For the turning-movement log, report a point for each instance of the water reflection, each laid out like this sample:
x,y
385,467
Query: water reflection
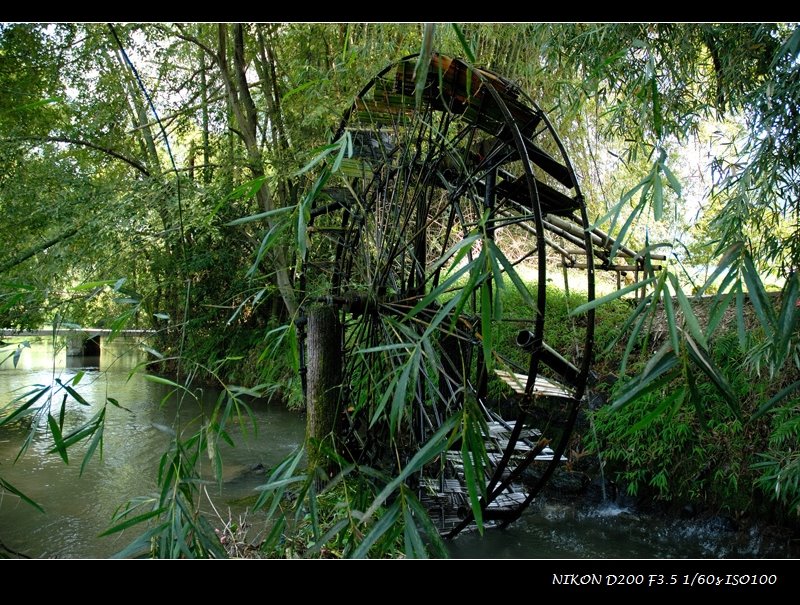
x,y
77,507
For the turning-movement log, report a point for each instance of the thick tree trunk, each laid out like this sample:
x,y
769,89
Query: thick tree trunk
x,y
324,378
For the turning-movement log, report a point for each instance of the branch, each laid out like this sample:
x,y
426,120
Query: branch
x,y
115,154
188,38
33,251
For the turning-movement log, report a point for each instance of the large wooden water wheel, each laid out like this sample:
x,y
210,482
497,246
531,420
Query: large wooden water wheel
x,y
455,198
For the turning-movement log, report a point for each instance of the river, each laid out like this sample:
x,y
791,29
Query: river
x,y
78,508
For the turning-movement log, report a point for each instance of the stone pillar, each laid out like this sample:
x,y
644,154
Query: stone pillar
x,y
75,344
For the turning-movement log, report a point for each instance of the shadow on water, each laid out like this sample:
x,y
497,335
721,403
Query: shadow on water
x,y
77,507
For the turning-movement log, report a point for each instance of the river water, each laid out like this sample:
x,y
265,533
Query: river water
x,y
78,508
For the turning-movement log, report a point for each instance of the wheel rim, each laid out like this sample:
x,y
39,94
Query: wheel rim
x,y
438,211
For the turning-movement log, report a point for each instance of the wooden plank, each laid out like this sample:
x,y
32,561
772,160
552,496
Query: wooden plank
x,y
548,163
508,501
551,200
543,387
611,267
498,430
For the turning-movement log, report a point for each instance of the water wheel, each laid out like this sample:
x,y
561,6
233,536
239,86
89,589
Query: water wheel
x,y
432,240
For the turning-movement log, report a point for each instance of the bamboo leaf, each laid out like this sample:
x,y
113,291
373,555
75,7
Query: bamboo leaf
x,y
75,395
512,273
97,441
593,304
25,408
414,547
758,296
5,485
458,251
327,537
658,197
658,119
438,291
381,527
660,373
403,346
790,47
400,395
443,314
617,208
740,326
423,62
787,318
620,238
304,212
471,479
89,285
776,399
435,542
671,323
486,325
634,337
245,190
266,244
462,40
707,366
325,151
166,381
297,89
688,314
387,394
674,183
435,446
675,397
133,521
696,398
260,216
628,322
718,312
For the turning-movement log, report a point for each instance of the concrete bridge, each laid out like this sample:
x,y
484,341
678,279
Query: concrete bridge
x,y
80,341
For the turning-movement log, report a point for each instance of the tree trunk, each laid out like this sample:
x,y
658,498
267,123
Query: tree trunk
x,y
204,113
323,379
247,119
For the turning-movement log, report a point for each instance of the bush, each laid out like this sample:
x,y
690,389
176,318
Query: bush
x,y
704,454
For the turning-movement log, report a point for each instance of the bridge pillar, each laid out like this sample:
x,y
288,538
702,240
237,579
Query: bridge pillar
x,y
74,345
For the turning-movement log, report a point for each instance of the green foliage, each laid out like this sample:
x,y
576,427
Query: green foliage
x,y
655,446
779,466
360,512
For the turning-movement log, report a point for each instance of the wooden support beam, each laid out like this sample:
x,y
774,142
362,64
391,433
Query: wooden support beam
x,y
626,268
599,238
324,378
